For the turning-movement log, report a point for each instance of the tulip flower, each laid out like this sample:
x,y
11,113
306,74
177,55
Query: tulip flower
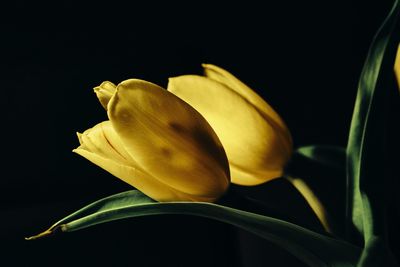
x,y
256,140
157,143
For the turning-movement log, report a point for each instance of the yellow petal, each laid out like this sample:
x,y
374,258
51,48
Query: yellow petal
x,y
102,140
169,139
253,177
220,75
256,151
102,146
104,92
397,67
139,179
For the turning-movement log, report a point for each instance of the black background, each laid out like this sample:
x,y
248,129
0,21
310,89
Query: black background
x,y
303,57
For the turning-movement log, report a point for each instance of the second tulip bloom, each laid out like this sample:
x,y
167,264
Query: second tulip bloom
x,y
257,142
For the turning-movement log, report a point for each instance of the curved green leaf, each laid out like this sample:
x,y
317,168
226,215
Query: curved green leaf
x,y
366,143
330,156
367,150
310,247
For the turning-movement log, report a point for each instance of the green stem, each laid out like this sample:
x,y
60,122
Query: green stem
x,y
312,200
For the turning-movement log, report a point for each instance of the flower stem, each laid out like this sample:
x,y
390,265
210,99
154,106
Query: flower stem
x,y
312,200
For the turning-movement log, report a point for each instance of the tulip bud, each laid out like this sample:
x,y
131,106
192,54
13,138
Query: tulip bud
x,y
256,140
157,143
104,92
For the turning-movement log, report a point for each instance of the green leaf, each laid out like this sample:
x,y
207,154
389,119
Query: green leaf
x,y
325,155
366,139
367,163
310,247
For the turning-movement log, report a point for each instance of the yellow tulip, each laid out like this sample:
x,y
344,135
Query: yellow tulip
x,y
256,140
397,67
157,143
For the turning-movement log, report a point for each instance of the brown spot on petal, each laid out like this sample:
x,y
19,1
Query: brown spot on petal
x,y
211,146
166,152
176,127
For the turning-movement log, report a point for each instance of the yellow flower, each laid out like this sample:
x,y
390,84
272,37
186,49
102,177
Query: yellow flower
x,y
157,143
256,140
397,67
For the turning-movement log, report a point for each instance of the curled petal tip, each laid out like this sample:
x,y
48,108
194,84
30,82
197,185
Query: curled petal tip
x,y
104,92
79,135
106,85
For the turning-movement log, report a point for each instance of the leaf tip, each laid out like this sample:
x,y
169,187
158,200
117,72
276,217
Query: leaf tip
x,y
46,233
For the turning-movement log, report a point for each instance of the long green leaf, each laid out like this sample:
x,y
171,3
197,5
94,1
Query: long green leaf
x,y
366,138
367,179
310,247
